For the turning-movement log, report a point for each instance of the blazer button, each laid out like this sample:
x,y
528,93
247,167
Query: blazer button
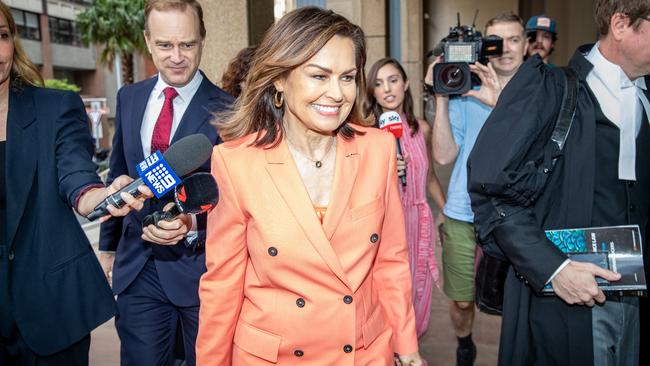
x,y
298,353
347,348
347,299
374,238
11,255
300,302
632,209
273,252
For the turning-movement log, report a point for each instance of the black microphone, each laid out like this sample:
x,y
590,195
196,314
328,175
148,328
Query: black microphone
x,y
197,193
183,157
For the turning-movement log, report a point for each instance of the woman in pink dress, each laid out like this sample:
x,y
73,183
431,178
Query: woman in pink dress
x,y
388,90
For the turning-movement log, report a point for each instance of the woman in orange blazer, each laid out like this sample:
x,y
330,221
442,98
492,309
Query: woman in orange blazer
x,y
306,252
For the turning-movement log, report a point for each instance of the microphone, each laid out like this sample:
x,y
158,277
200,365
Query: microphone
x,y
392,122
197,193
182,158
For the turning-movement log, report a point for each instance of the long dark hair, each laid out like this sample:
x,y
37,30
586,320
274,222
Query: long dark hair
x,y
290,42
373,107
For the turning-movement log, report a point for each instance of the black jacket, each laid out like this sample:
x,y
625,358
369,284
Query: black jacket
x,y
516,194
58,292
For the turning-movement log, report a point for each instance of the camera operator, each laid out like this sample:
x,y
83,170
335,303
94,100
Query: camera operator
x,y
455,129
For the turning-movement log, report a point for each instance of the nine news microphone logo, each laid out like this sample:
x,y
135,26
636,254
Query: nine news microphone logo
x,y
157,175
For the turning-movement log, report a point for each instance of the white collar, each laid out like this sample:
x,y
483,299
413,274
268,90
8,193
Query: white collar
x,y
185,92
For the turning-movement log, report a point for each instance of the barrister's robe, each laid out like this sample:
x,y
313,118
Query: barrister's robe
x,y
516,193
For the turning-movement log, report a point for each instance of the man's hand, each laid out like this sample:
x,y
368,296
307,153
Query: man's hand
x,y
401,166
412,359
576,283
93,197
168,232
490,88
106,260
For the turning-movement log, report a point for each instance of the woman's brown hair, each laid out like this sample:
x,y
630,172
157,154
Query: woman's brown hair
x,y
235,74
373,107
293,40
23,70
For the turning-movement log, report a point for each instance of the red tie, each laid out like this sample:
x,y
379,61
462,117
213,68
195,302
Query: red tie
x,y
163,128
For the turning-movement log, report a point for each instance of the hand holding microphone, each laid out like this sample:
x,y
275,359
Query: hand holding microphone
x,y
196,194
392,122
159,172
90,198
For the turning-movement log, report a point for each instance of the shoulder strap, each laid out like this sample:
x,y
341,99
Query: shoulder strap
x,y
567,109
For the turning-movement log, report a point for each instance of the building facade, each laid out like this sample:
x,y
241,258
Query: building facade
x,y
403,29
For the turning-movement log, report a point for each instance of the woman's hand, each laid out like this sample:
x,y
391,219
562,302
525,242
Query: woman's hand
x,y
401,166
412,359
93,197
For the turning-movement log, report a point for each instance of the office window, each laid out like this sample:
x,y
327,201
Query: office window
x,y
28,24
63,31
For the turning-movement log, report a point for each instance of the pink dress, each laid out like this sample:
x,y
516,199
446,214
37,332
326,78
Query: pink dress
x,y
420,228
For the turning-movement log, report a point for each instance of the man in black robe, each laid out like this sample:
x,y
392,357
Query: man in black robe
x,y
602,178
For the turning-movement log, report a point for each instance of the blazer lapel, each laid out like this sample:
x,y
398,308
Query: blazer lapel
x,y
22,156
347,163
289,183
196,114
140,101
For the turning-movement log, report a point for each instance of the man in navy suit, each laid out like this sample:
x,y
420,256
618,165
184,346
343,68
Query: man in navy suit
x,y
156,270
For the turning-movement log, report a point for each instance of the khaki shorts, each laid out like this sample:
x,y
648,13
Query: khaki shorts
x,y
458,253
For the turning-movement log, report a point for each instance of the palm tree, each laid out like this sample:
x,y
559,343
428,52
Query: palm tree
x,y
117,26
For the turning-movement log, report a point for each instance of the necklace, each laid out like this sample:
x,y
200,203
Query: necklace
x,y
318,162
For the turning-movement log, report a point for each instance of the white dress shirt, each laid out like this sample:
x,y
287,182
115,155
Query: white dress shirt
x,y
155,104
622,101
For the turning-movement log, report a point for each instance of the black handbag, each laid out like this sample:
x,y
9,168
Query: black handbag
x,y
492,271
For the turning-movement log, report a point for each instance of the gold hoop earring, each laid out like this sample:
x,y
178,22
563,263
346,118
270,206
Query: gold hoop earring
x,y
278,99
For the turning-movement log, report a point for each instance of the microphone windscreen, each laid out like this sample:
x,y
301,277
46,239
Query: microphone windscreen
x,y
188,154
391,122
197,193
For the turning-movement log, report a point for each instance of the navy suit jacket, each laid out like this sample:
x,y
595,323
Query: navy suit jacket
x,y
179,266
58,290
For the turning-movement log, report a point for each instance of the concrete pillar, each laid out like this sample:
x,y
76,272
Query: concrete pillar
x,y
374,24
47,70
226,22
575,24
412,49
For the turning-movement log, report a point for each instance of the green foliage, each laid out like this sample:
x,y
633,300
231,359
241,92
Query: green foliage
x,y
117,25
61,84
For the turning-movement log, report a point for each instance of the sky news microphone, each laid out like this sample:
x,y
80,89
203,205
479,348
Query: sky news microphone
x,y
392,122
161,171
197,194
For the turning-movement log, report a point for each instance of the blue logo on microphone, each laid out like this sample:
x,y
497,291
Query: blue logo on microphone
x,y
157,174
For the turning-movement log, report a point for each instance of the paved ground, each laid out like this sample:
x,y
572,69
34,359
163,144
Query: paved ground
x,y
438,345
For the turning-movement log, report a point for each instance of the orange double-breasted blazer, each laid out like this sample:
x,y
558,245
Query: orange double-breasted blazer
x,y
282,288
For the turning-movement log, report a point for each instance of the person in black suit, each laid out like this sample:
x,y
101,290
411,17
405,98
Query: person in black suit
x,y
521,184
52,289
156,270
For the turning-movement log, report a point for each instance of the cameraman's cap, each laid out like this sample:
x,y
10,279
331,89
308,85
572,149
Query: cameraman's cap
x,y
541,22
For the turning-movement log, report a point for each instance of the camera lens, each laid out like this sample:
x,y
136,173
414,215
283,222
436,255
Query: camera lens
x,y
452,76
